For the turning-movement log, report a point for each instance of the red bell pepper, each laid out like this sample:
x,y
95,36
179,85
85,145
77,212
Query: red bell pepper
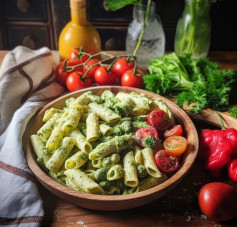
x,y
217,148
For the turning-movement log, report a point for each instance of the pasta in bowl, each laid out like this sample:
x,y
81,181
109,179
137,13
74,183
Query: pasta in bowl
x,y
82,147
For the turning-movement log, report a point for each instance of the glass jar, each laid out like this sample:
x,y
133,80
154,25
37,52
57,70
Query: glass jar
x,y
194,29
153,41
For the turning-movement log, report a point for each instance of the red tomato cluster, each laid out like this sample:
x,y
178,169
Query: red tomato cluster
x,y
70,72
164,138
80,70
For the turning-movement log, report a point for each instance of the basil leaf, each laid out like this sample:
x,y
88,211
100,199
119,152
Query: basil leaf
x,y
118,4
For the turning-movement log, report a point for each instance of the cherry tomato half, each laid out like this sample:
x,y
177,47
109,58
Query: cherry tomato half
x,y
104,77
218,201
75,81
87,66
121,66
132,80
166,161
176,130
159,119
147,137
175,144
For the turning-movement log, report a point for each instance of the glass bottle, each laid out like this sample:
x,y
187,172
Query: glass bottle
x,y
194,29
78,33
153,41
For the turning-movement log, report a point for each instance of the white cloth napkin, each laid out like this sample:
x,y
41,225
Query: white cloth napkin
x,y
26,84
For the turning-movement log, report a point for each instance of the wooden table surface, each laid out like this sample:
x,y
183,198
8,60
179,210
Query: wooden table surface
x,y
177,208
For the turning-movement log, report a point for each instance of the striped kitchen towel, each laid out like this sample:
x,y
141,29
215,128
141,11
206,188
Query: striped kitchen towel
x,y
26,84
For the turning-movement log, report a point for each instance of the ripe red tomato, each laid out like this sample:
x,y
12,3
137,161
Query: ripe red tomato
x,y
121,66
89,64
147,137
132,80
75,81
232,170
77,57
218,201
166,161
61,72
131,64
176,130
104,77
175,144
159,119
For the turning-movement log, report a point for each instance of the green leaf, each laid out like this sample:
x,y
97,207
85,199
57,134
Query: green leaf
x,y
118,4
233,111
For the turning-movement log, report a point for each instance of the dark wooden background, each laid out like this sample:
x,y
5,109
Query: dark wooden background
x,y
37,23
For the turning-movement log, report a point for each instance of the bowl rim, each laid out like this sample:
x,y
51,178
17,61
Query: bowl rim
x,y
170,182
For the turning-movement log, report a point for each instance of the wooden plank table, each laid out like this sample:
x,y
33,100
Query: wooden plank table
x,y
177,208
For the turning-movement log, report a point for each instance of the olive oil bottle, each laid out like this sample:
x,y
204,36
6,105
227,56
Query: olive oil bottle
x,y
79,32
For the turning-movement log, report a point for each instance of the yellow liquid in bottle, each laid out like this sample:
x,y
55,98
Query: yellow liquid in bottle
x,y
78,33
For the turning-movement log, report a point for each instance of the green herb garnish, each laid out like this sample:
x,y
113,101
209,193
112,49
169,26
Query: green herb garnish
x,y
233,111
150,142
198,83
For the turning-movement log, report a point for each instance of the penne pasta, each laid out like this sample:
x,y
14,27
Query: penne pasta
x,y
115,145
115,172
72,118
106,130
49,113
92,127
40,150
130,170
104,113
81,141
77,160
56,137
48,127
150,164
138,156
83,182
89,145
60,155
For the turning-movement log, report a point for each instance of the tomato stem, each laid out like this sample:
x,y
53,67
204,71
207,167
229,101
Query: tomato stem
x,y
221,121
109,58
143,28
135,68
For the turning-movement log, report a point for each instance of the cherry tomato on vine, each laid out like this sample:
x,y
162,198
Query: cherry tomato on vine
x,y
77,56
129,79
61,72
159,119
218,201
104,77
131,64
121,66
176,130
75,81
87,66
166,161
147,137
175,144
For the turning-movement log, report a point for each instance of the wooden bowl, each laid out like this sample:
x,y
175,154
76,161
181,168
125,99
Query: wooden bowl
x,y
114,202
